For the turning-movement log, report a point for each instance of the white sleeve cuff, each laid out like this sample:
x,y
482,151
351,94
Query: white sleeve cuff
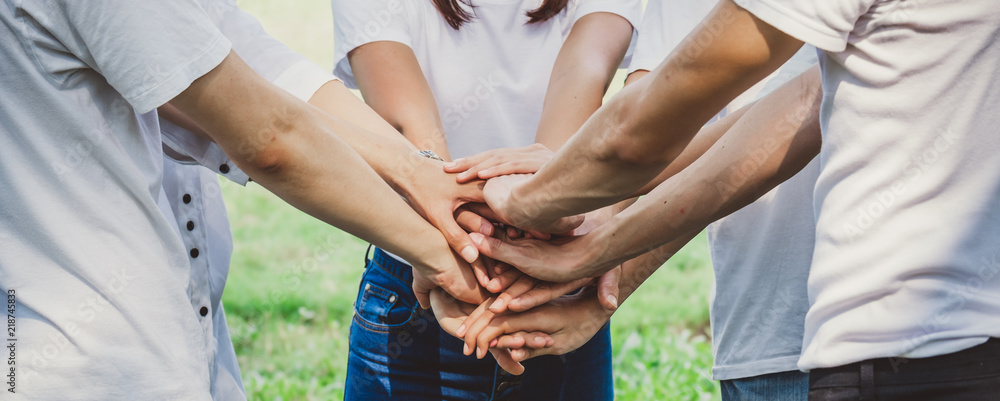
x,y
303,79
796,24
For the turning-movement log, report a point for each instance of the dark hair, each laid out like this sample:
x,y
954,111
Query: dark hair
x,y
455,15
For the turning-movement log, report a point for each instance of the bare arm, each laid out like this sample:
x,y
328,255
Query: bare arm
x,y
632,138
776,138
393,84
289,147
586,63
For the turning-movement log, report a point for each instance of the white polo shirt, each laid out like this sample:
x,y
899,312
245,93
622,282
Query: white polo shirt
x,y
908,197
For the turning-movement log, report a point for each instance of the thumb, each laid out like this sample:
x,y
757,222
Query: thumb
x,y
457,238
607,289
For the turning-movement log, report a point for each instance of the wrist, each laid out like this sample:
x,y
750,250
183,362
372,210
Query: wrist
x,y
600,248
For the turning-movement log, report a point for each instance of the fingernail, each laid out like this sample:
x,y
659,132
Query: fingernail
x,y
494,343
514,302
477,238
465,349
454,163
480,353
486,229
613,300
470,253
498,304
461,331
493,286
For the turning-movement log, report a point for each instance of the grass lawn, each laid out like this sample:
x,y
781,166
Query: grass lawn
x,y
294,279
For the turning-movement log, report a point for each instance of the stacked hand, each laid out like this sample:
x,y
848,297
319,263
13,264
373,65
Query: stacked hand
x,y
527,312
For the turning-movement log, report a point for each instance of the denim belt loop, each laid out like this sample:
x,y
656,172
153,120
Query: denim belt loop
x,y
866,382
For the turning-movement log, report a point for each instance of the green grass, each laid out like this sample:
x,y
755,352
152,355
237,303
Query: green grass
x,y
293,281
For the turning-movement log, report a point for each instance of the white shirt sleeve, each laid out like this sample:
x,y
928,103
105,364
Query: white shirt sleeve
x,y
826,24
269,57
135,44
357,23
631,10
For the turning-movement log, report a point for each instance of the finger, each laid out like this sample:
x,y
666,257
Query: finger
x,y
479,267
472,172
540,259
421,289
544,292
504,280
472,222
476,325
523,339
506,361
447,311
511,167
457,238
523,284
607,289
465,163
481,312
524,354
423,298
483,210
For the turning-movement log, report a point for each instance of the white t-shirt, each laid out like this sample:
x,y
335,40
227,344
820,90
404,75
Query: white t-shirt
x,y
489,78
761,256
106,306
488,84
908,197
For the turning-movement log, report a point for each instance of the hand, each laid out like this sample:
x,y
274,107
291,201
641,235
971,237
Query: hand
x,y
528,292
560,259
444,269
498,195
451,313
437,196
497,162
568,321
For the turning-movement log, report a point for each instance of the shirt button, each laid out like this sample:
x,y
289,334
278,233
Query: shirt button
x,y
186,198
194,252
203,311
190,226
224,169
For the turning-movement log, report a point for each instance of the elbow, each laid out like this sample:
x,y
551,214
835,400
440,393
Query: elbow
x,y
266,153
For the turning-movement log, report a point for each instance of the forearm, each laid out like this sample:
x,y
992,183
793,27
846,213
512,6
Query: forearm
x,y
775,139
393,84
387,152
287,147
637,270
700,144
580,76
635,135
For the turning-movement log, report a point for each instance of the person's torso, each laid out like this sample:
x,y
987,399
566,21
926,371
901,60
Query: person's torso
x,y
908,199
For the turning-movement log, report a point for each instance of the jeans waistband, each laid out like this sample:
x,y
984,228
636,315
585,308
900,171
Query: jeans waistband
x,y
391,265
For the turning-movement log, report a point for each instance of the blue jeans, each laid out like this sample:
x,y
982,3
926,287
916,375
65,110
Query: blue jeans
x,y
782,386
398,352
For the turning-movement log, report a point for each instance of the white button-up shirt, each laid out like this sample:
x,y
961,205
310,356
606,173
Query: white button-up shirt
x,y
194,195
112,302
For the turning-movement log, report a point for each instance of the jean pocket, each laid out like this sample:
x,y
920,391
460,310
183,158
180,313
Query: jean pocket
x,y
380,306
